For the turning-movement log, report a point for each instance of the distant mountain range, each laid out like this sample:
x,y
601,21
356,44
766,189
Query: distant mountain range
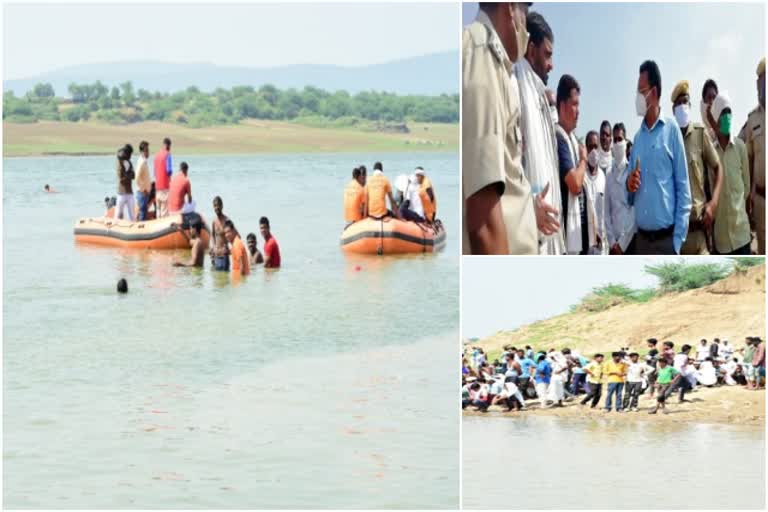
x,y
429,75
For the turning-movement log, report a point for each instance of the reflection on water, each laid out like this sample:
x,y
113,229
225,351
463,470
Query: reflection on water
x,y
598,464
86,371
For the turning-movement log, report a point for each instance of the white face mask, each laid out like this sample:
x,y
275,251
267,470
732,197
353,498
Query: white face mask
x,y
641,105
619,151
683,115
604,159
592,158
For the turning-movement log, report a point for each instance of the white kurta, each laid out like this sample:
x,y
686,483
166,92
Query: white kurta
x,y
596,195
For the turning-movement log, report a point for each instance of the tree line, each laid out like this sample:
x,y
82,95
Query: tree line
x,y
123,104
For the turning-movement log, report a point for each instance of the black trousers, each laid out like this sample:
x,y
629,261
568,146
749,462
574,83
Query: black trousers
x,y
595,391
682,384
631,394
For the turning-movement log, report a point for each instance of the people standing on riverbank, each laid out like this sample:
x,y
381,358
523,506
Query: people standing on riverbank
x,y
666,378
637,374
615,371
594,372
542,375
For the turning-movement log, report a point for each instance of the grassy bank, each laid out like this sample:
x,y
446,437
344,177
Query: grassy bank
x,y
91,137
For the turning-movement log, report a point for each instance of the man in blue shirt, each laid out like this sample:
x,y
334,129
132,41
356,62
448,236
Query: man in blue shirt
x,y
658,185
542,378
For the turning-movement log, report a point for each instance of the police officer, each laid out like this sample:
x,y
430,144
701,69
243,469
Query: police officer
x,y
500,214
704,173
753,135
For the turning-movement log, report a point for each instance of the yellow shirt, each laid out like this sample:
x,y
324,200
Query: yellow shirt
x,y
611,367
731,222
491,139
377,188
596,372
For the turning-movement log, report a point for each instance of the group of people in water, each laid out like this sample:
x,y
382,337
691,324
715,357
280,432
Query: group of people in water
x,y
412,200
556,376
171,194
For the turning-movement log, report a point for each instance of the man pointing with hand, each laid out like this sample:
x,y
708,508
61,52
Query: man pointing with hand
x,y
658,186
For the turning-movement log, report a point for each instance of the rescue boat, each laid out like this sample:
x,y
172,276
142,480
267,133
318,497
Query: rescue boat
x,y
167,233
391,236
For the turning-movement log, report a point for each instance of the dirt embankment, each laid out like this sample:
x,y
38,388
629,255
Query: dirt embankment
x,y
732,405
728,309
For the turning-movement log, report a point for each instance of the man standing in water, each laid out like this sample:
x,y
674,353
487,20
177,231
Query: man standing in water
x,y
163,171
220,249
254,255
240,263
271,249
198,248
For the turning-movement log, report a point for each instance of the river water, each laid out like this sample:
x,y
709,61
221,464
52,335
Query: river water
x,y
553,463
318,386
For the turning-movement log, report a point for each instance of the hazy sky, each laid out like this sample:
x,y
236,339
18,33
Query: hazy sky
x,y
507,292
603,45
42,37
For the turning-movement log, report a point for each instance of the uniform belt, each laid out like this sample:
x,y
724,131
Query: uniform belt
x,y
760,191
657,234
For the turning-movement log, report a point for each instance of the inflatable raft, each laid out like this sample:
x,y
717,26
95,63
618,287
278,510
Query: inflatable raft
x,y
391,236
167,233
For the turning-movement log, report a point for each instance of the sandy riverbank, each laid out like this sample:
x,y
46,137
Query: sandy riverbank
x,y
733,405
249,137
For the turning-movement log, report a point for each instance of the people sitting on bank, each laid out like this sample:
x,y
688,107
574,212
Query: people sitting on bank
x,y
271,248
377,190
411,207
220,247
428,197
254,255
354,197
163,166
143,180
199,247
240,262
125,176
180,192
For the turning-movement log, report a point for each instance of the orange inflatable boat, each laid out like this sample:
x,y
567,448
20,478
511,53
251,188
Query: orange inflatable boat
x,y
167,233
391,236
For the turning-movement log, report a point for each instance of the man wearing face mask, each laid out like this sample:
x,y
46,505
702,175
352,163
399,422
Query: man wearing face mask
x,y
538,129
620,223
658,184
578,213
595,184
501,214
703,171
732,233
604,158
708,94
753,135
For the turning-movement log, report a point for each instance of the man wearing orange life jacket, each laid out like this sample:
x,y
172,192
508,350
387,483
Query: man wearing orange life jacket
x,y
377,189
427,194
163,170
354,196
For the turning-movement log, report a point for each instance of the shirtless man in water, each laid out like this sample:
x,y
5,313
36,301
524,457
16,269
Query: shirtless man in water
x,y
220,249
254,255
198,248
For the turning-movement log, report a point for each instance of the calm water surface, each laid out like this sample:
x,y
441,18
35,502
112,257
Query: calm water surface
x,y
317,386
552,463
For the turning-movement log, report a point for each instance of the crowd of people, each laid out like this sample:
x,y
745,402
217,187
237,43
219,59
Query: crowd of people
x,y
532,187
170,193
412,199
552,377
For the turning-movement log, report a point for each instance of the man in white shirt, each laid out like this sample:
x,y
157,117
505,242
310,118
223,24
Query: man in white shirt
x,y
682,366
595,181
637,375
143,180
702,351
620,224
411,207
726,350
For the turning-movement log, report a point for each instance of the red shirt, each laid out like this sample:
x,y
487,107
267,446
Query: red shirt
x,y
272,251
162,173
180,186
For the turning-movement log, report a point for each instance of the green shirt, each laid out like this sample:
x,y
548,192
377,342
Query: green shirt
x,y
732,229
749,353
666,374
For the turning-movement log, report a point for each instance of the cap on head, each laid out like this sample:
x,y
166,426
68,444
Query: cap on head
x,y
722,101
680,88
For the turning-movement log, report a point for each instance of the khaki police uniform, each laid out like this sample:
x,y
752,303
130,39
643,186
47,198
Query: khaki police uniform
x,y
491,138
753,135
702,158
